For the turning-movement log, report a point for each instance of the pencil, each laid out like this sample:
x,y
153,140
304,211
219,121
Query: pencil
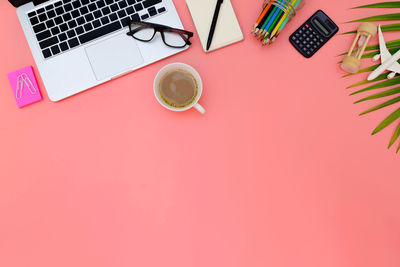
x,y
267,19
282,19
270,21
274,23
295,5
261,17
287,17
258,28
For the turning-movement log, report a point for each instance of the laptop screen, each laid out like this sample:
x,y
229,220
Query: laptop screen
x,y
18,3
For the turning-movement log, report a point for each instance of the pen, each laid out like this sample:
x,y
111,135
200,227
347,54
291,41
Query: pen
x,y
214,23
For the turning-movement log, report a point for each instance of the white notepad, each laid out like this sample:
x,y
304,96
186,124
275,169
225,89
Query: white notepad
x,y
227,30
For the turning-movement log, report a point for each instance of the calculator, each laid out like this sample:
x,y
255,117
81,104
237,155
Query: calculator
x,y
313,34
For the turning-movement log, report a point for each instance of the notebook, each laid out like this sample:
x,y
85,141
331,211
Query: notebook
x,y
227,30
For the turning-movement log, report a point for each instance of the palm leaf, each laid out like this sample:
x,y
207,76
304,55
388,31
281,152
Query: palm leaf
x,y
381,77
381,5
381,94
385,104
390,44
393,16
384,28
395,136
392,117
379,85
370,68
372,54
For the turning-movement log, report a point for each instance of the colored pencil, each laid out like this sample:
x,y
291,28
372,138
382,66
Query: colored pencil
x,y
273,24
282,19
296,4
258,28
288,17
262,29
261,17
273,19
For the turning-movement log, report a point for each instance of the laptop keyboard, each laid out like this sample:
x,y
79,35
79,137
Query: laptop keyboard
x,y
67,24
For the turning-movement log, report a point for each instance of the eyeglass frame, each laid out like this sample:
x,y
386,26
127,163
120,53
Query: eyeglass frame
x,y
161,29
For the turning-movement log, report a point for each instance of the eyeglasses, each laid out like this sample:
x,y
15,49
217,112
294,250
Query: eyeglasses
x,y
145,31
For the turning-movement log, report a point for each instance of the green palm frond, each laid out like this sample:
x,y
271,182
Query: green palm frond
x,y
395,136
384,28
393,16
372,54
390,44
386,122
389,92
386,83
385,104
370,68
395,4
381,77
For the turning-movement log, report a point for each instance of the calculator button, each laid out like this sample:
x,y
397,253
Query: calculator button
x,y
318,43
297,42
294,38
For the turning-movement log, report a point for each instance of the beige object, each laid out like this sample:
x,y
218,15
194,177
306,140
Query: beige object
x,y
352,62
227,31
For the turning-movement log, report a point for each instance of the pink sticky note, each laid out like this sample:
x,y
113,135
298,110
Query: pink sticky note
x,y
24,86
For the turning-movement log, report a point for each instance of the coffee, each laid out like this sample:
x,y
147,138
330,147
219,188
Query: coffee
x,y
178,88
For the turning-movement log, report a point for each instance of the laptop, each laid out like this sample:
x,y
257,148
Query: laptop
x,y
78,44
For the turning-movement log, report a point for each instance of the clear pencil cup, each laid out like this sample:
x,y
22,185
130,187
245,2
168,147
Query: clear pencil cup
x,y
274,17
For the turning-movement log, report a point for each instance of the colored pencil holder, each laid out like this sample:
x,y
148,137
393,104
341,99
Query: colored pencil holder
x,y
274,17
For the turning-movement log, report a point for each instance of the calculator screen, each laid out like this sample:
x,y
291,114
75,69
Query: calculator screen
x,y
320,26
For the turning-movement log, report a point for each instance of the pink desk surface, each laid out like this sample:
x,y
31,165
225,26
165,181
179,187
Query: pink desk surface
x,y
280,171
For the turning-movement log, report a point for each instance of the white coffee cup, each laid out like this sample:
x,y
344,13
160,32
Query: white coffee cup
x,y
179,66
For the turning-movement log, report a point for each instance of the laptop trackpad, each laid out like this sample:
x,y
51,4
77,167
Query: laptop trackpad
x,y
113,56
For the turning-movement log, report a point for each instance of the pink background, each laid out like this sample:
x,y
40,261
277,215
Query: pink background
x,y
280,171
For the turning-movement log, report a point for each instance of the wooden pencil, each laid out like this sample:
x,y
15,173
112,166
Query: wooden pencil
x,y
268,19
274,23
267,14
261,17
288,17
271,21
286,20
282,19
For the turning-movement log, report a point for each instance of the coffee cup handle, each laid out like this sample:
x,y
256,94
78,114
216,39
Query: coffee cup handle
x,y
199,108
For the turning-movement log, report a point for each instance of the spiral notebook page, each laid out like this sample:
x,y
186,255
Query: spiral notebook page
x,y
227,31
